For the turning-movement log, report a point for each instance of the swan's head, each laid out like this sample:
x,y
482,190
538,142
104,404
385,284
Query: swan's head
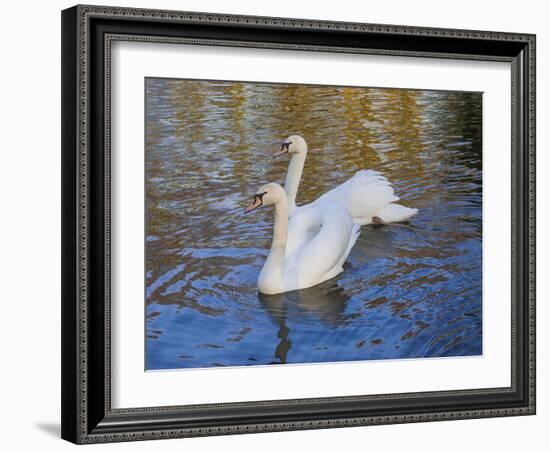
x,y
293,145
269,194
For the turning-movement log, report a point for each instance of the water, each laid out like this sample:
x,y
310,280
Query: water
x,y
408,290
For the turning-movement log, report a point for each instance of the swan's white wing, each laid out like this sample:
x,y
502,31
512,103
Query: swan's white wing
x,y
322,257
355,232
365,195
303,226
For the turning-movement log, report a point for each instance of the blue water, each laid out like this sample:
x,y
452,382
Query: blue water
x,y
408,290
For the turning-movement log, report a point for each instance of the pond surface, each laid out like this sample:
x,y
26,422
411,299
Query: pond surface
x,y
408,290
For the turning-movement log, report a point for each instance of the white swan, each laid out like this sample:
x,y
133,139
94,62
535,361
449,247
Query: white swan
x,y
368,196
317,257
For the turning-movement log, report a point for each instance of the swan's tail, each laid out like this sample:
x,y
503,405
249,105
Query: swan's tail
x,y
394,213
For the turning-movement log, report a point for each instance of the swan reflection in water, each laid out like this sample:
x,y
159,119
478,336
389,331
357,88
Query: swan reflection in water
x,y
325,302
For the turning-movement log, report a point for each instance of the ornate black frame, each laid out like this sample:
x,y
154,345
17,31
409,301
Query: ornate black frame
x,y
87,33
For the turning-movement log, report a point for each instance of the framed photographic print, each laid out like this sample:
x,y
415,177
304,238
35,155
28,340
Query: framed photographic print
x,y
279,224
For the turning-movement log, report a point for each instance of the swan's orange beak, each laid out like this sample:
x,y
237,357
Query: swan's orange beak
x,y
255,203
283,151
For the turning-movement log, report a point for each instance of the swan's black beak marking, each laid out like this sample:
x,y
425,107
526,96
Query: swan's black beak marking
x,y
255,203
284,149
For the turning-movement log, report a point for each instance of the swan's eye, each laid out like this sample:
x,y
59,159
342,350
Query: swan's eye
x,y
285,145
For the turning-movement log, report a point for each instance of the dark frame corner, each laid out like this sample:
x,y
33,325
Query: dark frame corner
x,y
87,32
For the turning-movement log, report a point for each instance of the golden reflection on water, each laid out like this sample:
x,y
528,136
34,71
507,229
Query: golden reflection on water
x,y
208,147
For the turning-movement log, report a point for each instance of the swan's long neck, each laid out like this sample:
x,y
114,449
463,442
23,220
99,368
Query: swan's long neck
x,y
293,177
273,267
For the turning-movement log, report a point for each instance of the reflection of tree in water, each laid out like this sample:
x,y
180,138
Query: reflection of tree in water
x,y
401,128
325,302
188,99
292,105
357,113
457,116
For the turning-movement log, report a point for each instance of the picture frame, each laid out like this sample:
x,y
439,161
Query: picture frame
x,y
87,35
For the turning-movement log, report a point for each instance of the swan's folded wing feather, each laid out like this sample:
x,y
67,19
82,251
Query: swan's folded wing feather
x,y
321,255
303,226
